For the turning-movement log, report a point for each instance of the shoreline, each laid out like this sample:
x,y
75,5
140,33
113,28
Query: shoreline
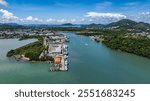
x,y
49,48
27,61
103,40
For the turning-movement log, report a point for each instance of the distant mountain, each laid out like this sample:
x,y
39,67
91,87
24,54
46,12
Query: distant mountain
x,y
143,26
4,26
125,23
129,24
67,24
9,24
93,25
122,24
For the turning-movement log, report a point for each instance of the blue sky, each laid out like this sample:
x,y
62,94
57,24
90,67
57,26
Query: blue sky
x,y
73,11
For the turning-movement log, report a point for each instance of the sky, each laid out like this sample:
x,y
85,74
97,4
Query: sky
x,y
73,11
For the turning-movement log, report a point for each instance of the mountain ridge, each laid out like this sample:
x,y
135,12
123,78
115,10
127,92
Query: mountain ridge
x,y
121,24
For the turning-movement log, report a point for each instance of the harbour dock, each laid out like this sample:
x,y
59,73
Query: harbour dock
x,y
56,48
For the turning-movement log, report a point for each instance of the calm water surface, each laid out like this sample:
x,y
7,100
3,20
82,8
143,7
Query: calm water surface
x,y
89,62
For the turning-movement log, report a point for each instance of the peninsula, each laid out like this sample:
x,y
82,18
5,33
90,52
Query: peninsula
x,y
50,47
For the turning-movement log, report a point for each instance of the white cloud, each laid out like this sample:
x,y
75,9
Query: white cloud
x,y
50,20
62,20
73,20
30,18
145,13
8,16
144,16
140,17
105,15
96,17
3,3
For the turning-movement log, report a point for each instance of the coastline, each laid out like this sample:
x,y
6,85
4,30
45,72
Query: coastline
x,y
109,41
49,48
103,59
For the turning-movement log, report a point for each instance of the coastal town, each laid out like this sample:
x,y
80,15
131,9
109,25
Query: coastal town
x,y
18,32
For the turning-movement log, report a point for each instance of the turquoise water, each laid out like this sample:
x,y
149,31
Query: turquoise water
x,y
89,62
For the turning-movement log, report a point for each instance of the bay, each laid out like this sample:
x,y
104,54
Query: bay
x,y
89,62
